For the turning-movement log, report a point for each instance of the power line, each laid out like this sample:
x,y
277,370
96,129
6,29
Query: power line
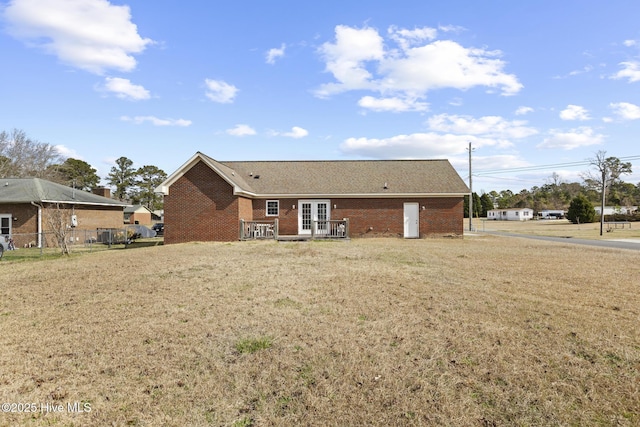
x,y
542,167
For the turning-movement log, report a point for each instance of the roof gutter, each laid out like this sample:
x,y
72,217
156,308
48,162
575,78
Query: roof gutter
x,y
73,202
345,195
39,223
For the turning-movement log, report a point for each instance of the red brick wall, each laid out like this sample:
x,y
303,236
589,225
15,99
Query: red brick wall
x,y
92,217
201,206
143,218
441,216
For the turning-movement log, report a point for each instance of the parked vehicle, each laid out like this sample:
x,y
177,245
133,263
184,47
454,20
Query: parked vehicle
x,y
158,227
6,244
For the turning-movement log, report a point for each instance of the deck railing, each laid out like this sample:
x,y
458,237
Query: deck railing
x,y
250,230
330,229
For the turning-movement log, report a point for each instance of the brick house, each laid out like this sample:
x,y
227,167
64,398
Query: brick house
x,y
206,200
137,214
26,204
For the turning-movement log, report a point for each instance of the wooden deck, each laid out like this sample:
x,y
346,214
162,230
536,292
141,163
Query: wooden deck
x,y
319,230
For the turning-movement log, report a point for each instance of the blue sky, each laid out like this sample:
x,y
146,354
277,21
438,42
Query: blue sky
x,y
537,87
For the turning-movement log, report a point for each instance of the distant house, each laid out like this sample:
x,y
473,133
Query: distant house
x,y
26,204
157,215
138,214
611,210
512,214
207,200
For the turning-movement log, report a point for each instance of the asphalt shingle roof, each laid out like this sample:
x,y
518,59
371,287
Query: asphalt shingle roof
x,y
343,177
27,190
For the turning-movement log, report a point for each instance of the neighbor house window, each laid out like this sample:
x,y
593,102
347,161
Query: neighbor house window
x,y
5,224
273,207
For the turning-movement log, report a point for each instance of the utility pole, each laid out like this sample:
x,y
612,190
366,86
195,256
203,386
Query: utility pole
x,y
470,191
604,190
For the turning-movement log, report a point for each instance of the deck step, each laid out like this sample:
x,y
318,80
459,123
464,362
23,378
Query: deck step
x,y
293,238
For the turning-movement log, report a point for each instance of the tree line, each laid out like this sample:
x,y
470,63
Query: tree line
x,y
602,184
23,157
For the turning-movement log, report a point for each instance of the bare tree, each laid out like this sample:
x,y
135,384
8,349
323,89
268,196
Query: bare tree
x,y
608,173
21,156
58,219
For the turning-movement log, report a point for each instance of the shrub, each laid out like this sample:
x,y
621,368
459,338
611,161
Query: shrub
x,y
581,210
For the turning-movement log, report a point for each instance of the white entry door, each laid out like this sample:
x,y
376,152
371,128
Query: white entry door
x,y
411,221
310,211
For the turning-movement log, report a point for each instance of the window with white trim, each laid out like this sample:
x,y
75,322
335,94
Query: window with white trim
x,y
273,207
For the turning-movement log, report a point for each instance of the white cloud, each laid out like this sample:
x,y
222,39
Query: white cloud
x,y
394,104
124,89
630,70
275,53
630,43
220,91
574,112
521,111
138,120
67,152
575,138
488,126
585,69
358,60
93,35
296,132
407,38
346,59
417,145
625,110
241,130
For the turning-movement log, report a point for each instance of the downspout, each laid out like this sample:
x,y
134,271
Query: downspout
x,y
39,223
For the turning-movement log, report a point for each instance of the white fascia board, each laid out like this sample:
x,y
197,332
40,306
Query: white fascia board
x,y
164,187
350,196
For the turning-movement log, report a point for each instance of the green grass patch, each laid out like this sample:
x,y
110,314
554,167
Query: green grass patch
x,y
252,345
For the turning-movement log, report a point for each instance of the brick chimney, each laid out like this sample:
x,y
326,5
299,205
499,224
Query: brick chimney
x,y
102,191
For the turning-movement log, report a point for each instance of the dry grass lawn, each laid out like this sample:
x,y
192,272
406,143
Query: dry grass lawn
x,y
481,331
559,228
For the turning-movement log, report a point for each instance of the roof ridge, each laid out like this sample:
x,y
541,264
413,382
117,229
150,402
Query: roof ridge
x,y
330,161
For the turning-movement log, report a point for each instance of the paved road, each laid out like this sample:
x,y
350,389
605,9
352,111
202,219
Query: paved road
x,y
633,244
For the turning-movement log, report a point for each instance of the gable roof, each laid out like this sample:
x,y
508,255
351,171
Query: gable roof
x,y
136,209
339,178
27,190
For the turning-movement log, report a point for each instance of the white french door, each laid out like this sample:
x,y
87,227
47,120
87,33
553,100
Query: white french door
x,y
313,213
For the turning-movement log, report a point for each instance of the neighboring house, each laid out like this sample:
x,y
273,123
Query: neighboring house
x,y
137,214
27,204
611,210
205,200
512,214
